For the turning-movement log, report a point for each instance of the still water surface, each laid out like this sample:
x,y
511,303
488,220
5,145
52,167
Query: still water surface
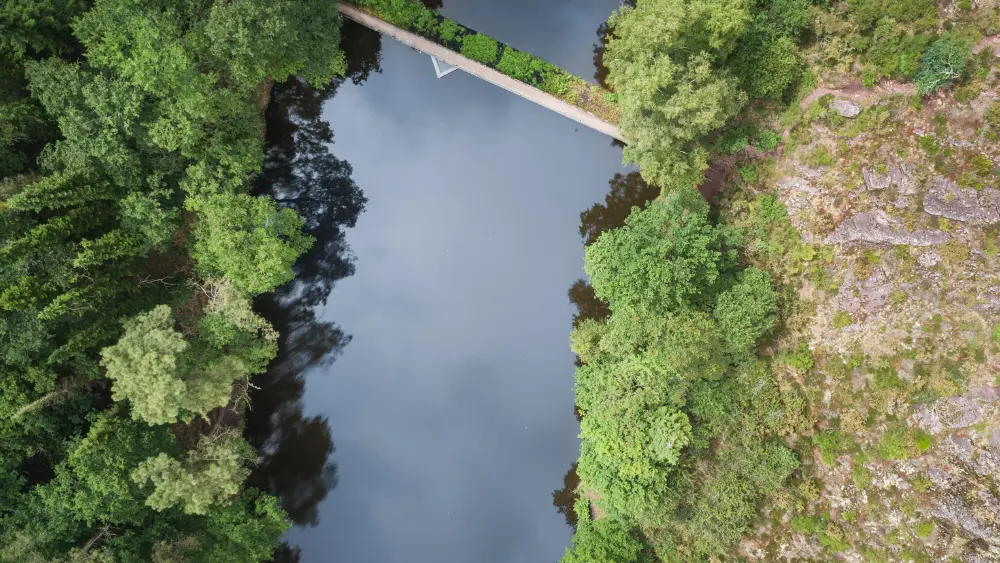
x,y
450,401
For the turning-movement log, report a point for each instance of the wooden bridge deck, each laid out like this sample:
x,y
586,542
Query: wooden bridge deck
x,y
481,71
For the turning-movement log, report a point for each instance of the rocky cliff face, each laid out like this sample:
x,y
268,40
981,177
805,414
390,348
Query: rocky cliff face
x,y
895,304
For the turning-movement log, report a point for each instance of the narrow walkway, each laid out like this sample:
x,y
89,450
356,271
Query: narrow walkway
x,y
481,71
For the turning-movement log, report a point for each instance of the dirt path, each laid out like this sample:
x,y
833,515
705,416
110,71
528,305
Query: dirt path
x,y
855,92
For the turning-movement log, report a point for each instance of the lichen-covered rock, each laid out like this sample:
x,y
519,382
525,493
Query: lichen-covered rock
x,y
954,510
928,259
846,108
946,199
948,414
878,227
900,176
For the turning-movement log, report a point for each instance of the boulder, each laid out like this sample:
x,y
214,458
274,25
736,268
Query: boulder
x,y
902,177
846,108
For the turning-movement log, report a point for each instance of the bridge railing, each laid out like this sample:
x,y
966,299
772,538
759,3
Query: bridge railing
x,y
519,65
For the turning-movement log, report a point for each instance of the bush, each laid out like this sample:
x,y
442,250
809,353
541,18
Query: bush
x,y
842,320
943,62
767,140
894,444
923,440
801,359
982,165
448,30
806,525
480,48
833,443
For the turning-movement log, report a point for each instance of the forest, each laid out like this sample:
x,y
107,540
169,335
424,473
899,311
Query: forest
x,y
149,244
165,229
699,385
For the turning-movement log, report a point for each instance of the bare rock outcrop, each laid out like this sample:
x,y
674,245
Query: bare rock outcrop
x,y
946,199
846,108
903,177
879,227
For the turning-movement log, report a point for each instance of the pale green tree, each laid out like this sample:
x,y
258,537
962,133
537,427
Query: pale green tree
x,y
211,474
247,240
663,61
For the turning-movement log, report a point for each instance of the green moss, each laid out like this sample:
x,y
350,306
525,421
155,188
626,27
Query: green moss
x,y
982,165
929,145
922,440
842,320
922,484
924,529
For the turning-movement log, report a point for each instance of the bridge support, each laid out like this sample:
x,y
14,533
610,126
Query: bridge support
x,y
441,68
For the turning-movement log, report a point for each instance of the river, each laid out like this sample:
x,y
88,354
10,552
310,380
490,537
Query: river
x,y
427,336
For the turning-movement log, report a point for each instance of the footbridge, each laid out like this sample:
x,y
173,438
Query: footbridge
x,y
446,60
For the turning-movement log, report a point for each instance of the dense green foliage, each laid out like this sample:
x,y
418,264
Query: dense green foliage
x,y
484,49
943,62
131,250
670,379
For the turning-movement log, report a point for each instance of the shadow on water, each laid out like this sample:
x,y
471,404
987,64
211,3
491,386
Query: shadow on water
x,y
301,173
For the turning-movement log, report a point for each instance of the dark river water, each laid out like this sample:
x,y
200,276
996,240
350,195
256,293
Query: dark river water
x,y
427,334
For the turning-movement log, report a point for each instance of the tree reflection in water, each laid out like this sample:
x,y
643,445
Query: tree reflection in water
x,y
300,173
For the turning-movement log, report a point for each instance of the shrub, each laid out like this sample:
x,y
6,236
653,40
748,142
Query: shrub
x,y
842,320
943,62
748,173
517,64
480,48
923,440
767,140
747,311
448,30
982,165
832,443
801,359
806,525
893,444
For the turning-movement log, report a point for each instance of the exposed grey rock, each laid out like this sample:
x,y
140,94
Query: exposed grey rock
x,y
946,199
902,177
988,394
960,447
792,183
939,477
954,510
878,227
928,259
949,413
995,439
846,108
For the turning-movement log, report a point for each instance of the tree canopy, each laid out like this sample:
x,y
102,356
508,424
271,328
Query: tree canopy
x,y
130,251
